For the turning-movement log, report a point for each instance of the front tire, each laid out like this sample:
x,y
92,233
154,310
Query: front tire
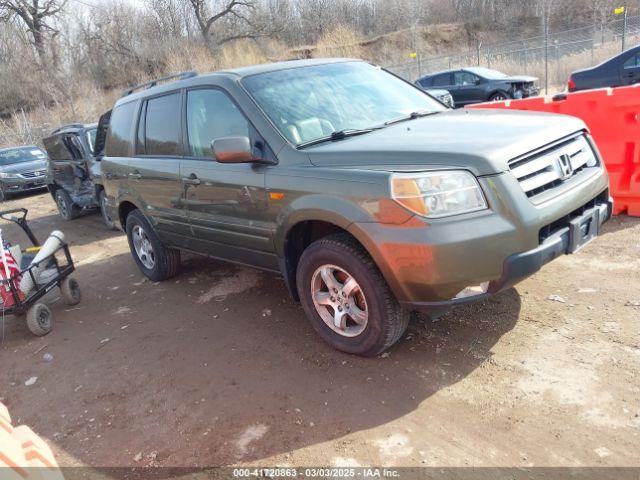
x,y
347,299
153,258
498,97
67,209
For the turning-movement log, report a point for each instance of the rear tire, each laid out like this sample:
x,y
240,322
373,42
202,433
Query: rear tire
x,y
70,289
108,221
385,320
153,258
67,209
40,319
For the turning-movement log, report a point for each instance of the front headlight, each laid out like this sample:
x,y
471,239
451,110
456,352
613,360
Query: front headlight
x,y
448,100
9,175
438,194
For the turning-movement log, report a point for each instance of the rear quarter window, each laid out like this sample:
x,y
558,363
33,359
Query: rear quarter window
x,y
118,142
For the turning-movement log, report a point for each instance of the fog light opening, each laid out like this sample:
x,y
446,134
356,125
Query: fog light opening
x,y
473,290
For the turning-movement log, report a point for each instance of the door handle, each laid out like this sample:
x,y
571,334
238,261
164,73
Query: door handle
x,y
135,174
191,179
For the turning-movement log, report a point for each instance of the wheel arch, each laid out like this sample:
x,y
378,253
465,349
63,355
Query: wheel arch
x,y
124,209
299,236
493,91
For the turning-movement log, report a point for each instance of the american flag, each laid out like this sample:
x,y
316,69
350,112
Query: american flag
x,y
12,265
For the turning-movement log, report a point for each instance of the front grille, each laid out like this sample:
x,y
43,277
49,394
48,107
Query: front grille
x,y
551,167
37,173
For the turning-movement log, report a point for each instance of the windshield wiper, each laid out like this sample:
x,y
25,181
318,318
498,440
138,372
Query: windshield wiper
x,y
338,135
412,116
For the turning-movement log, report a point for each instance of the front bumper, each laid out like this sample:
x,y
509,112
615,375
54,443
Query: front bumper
x,y
519,266
428,263
16,185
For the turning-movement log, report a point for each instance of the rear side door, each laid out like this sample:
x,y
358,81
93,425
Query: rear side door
x,y
226,202
154,170
630,71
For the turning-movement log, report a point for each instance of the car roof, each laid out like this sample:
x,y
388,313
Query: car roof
x,y
18,147
440,72
234,73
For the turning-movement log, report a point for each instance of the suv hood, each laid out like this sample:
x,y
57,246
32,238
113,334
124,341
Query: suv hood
x,y
24,167
482,141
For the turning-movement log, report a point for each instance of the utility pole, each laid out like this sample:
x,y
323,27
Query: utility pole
x,y
622,10
624,27
546,54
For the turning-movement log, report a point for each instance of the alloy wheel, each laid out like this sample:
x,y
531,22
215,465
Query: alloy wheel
x,y
143,247
339,300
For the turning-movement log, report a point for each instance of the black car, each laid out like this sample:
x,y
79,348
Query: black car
x,y
73,173
623,69
476,84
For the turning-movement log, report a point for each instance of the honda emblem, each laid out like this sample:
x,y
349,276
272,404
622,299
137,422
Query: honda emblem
x,y
564,163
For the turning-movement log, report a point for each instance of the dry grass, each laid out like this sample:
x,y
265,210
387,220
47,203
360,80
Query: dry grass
x,y
340,42
81,100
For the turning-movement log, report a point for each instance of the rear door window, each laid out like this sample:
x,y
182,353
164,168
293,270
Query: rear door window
x,y
162,126
441,80
118,143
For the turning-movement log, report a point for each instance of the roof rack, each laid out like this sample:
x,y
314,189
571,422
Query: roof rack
x,y
153,83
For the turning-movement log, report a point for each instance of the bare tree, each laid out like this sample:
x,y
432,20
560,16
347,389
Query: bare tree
x,y
235,15
38,16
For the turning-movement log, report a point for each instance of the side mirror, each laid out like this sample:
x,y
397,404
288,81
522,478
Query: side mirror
x,y
477,81
233,150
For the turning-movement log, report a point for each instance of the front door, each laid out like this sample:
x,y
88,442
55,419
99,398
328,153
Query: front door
x,y
154,171
467,86
226,203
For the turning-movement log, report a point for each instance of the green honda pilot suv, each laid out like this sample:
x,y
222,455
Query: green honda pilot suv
x,y
369,197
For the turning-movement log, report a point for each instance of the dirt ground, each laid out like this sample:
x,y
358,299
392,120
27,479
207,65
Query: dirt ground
x,y
219,367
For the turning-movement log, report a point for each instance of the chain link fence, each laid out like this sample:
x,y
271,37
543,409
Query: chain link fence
x,y
551,57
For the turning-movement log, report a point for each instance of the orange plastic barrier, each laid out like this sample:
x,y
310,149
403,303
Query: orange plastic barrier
x,y
24,455
613,117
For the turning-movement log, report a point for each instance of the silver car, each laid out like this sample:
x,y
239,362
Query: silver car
x,y
22,169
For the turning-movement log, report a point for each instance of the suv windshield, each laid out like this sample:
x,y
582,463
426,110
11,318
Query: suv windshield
x,y
310,103
21,155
